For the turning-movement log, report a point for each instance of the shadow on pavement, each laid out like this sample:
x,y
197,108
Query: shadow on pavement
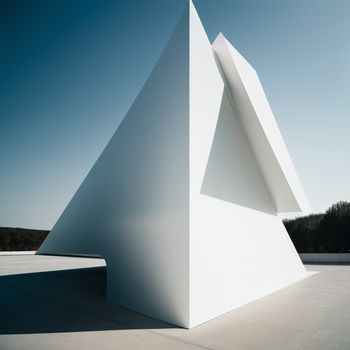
x,y
64,301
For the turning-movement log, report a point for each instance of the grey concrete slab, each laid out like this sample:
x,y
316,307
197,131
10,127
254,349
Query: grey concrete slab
x,y
52,302
327,340
24,264
107,340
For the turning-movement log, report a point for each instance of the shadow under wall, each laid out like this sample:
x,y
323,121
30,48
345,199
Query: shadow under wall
x,y
64,301
231,174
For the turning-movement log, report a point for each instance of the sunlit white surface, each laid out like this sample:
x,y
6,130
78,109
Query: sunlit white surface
x,y
261,130
180,203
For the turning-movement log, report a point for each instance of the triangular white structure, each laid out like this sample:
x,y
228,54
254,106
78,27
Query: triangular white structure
x,y
182,202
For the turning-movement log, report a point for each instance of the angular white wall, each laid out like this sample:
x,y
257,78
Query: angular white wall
x,y
260,128
133,206
182,202
239,249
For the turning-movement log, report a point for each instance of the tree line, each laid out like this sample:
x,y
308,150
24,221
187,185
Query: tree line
x,y
322,233
13,238
315,233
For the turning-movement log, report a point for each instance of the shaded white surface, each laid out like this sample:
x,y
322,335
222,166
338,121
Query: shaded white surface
x,y
132,208
177,203
310,314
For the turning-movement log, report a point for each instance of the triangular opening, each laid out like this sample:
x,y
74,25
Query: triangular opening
x,y
231,173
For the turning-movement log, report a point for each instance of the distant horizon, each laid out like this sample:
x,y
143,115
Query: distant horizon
x,y
72,70
285,217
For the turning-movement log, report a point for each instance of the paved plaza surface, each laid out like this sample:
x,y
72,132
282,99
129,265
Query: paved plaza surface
x,y
51,302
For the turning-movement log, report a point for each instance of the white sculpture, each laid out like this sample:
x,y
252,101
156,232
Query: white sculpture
x,y
182,202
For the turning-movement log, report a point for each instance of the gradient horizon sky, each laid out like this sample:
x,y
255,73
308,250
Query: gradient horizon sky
x,y
70,70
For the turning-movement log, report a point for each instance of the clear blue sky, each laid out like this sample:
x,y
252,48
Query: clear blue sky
x,y
69,71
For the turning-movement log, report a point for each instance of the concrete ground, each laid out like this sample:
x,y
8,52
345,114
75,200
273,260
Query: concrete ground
x,y
49,302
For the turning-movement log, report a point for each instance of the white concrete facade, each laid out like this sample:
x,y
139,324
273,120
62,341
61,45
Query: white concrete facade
x,y
183,201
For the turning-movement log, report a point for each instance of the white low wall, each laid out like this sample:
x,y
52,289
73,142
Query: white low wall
x,y
325,257
22,252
